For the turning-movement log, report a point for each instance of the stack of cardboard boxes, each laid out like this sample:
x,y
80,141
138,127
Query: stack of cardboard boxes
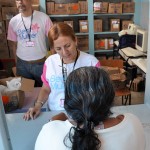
x,y
119,8
118,77
106,43
115,8
69,9
115,24
66,9
7,11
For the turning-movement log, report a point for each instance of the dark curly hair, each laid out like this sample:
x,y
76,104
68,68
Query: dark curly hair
x,y
89,95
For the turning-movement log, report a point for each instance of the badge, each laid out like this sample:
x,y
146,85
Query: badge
x,y
62,102
30,44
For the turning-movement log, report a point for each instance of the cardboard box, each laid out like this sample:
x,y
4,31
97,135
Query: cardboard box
x,y
118,85
50,7
36,7
115,25
83,25
35,1
3,74
101,44
97,7
7,65
3,41
125,24
83,43
111,8
104,43
73,8
128,7
0,15
83,7
2,27
8,2
110,43
117,75
115,8
10,46
4,53
61,9
27,85
6,25
70,23
11,55
100,7
138,84
9,12
98,25
104,7
96,44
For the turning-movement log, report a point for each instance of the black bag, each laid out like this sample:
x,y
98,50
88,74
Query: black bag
x,y
127,41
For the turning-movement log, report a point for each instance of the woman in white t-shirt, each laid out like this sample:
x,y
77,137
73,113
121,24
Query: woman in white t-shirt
x,y
89,96
58,66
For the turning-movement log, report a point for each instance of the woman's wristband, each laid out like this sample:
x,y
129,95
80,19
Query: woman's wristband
x,y
40,102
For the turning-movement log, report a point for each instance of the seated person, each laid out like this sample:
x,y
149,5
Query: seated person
x,y
89,96
58,66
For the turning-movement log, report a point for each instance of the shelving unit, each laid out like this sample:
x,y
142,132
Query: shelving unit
x,y
70,17
91,16
106,27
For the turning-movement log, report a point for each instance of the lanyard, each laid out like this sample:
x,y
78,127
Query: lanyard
x,y
64,70
29,33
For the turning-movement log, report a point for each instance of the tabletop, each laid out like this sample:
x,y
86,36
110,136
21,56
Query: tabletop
x,y
23,134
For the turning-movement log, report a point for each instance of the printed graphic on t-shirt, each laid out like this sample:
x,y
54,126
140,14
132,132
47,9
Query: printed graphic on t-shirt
x,y
23,34
56,82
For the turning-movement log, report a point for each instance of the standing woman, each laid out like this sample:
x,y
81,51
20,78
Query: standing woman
x,y
58,66
90,124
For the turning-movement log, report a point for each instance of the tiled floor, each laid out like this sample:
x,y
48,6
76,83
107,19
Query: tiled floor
x,y
136,98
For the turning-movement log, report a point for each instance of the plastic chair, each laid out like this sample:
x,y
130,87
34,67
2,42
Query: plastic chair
x,y
125,93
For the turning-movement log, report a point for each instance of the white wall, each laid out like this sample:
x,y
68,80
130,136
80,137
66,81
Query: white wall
x,y
144,15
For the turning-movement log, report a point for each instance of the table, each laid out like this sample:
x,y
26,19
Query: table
x,y
23,134
140,62
126,58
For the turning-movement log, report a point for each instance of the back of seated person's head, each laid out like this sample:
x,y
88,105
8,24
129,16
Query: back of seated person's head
x,y
89,95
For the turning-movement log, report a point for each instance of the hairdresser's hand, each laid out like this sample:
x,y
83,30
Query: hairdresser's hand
x,y
32,113
60,116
